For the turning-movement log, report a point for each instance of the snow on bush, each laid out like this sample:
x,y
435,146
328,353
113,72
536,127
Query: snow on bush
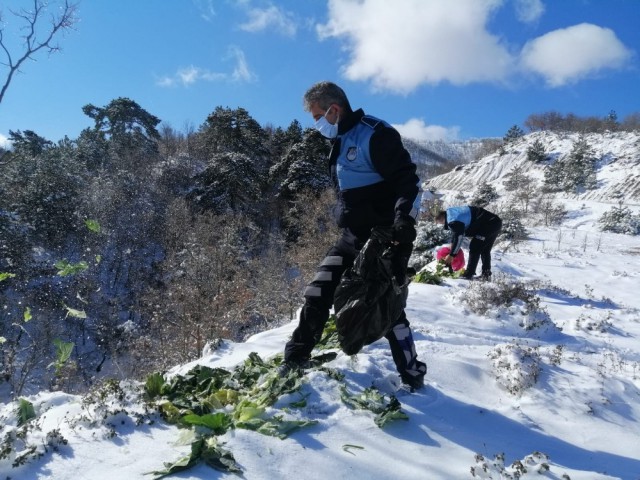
x,y
429,236
515,367
620,220
536,465
507,296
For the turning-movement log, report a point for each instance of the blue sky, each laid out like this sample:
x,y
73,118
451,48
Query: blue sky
x,y
436,69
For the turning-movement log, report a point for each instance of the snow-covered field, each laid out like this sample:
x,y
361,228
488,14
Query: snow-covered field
x,y
562,397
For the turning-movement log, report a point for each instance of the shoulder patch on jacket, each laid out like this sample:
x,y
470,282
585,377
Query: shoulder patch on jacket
x,y
371,122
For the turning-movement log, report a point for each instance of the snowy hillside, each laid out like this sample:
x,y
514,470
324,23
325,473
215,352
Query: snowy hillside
x,y
547,384
618,166
533,375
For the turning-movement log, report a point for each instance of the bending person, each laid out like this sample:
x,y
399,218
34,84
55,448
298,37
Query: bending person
x,y
481,225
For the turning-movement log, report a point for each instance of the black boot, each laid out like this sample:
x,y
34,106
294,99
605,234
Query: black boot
x,y
414,377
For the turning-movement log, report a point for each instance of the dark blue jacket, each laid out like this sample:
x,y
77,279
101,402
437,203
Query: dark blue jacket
x,y
373,174
470,221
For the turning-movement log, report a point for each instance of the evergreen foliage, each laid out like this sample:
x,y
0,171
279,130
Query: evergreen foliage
x,y
549,210
521,185
303,167
514,133
232,131
126,124
283,140
429,235
105,202
574,173
512,226
484,195
28,143
41,184
230,182
620,219
536,152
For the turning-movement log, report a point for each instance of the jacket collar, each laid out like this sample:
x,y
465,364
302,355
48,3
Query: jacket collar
x,y
350,121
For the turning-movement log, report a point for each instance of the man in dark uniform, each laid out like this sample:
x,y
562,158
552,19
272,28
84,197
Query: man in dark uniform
x,y
376,185
478,223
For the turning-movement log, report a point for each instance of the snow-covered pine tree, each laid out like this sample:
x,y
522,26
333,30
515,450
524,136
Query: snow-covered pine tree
x,y
303,167
536,152
512,134
484,195
521,185
620,219
512,226
575,172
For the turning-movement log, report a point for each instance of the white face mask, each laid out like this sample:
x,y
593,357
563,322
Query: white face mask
x,y
327,129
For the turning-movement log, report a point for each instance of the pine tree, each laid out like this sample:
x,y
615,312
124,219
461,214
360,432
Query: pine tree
x,y
227,130
550,211
620,219
536,152
575,172
512,226
611,121
580,167
522,185
283,140
484,195
126,125
303,167
230,183
512,134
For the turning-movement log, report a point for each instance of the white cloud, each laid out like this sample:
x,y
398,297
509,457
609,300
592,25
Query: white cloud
x,y
4,142
402,44
271,17
567,55
187,76
241,72
207,12
417,129
529,11
190,75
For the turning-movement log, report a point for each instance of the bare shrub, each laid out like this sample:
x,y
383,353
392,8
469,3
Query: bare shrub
x,y
516,367
316,231
548,210
202,291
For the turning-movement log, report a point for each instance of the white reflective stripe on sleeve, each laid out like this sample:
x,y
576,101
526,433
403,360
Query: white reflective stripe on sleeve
x,y
331,260
313,292
323,277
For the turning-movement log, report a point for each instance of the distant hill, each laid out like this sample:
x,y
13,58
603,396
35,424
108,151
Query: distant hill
x,y
618,166
435,157
439,152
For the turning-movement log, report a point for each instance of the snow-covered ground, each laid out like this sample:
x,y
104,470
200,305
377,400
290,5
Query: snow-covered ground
x,y
562,398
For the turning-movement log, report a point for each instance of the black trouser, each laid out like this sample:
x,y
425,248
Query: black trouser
x,y
481,245
319,300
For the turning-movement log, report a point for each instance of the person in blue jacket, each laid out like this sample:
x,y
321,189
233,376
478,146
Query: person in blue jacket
x,y
376,185
481,225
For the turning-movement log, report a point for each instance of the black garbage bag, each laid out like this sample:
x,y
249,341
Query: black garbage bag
x,y
368,300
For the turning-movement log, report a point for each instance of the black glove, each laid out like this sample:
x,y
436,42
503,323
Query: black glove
x,y
399,261
404,230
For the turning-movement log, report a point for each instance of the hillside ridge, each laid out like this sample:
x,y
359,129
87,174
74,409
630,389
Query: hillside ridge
x,y
618,165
